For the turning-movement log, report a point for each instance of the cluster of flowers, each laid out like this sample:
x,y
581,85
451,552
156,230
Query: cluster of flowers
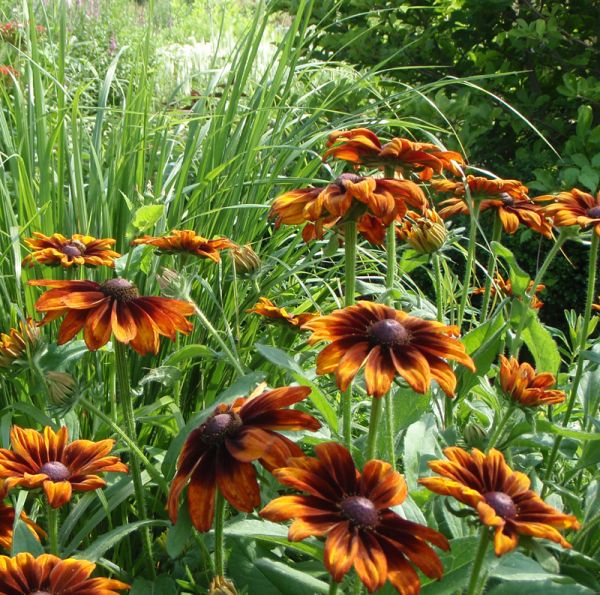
x,y
12,33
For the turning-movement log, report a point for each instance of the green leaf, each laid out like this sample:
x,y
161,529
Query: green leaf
x,y
421,444
518,277
585,116
147,216
161,585
189,352
179,534
542,346
543,425
589,177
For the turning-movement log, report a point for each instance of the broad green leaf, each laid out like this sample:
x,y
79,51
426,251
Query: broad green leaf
x,y
179,534
421,444
518,277
542,346
147,216
161,585
189,352
543,425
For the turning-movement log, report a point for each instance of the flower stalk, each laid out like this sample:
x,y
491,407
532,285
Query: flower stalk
x,y
473,219
497,434
475,585
389,283
376,409
52,514
491,267
219,536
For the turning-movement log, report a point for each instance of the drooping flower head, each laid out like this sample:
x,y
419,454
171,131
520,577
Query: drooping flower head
x,y
521,384
80,249
363,147
426,232
507,197
113,307
265,307
49,575
387,342
187,242
500,495
353,511
48,460
504,286
7,519
573,208
14,344
219,453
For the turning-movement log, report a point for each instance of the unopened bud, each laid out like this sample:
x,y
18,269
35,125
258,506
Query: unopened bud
x,y
221,586
427,235
173,285
245,260
60,386
474,435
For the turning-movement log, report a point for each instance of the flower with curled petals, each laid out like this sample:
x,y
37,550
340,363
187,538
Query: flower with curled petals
x,y
187,242
507,197
504,286
525,387
500,496
49,575
113,307
363,147
47,460
219,453
7,519
80,249
265,307
387,342
573,208
353,511
14,344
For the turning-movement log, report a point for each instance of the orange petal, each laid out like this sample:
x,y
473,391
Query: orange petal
x,y
340,552
58,493
201,494
237,482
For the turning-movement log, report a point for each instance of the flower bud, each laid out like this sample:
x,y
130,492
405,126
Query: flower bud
x,y
174,285
60,386
427,234
474,435
245,260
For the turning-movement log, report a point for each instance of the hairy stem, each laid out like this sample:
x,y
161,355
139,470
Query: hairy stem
x,y
491,269
474,582
349,291
219,536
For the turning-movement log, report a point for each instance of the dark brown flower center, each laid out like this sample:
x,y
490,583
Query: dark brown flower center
x,y
507,199
219,427
120,289
341,180
388,332
360,511
594,212
73,249
55,470
502,503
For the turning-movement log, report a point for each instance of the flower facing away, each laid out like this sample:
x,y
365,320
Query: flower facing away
x,y
525,387
49,575
219,453
7,519
500,495
113,307
504,286
363,147
353,511
80,249
425,233
47,460
387,342
187,242
13,345
508,197
265,307
574,208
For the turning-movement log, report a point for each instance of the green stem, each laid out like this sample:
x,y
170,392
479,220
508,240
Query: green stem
x,y
439,289
219,536
376,407
589,300
474,586
213,331
156,476
124,396
52,514
390,429
474,215
390,245
491,268
390,249
349,291
333,587
497,434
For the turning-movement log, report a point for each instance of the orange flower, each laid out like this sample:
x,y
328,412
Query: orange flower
x,y
505,288
114,306
363,147
574,208
7,519
7,72
57,250
354,511
508,197
525,387
49,575
386,342
187,241
265,307
13,345
48,461
219,453
500,495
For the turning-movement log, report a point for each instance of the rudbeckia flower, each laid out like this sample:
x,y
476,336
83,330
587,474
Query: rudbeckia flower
x,y
219,453
500,496
187,242
353,511
13,345
504,286
7,519
387,342
113,307
80,249
265,307
525,387
363,147
574,208
47,460
508,197
49,575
